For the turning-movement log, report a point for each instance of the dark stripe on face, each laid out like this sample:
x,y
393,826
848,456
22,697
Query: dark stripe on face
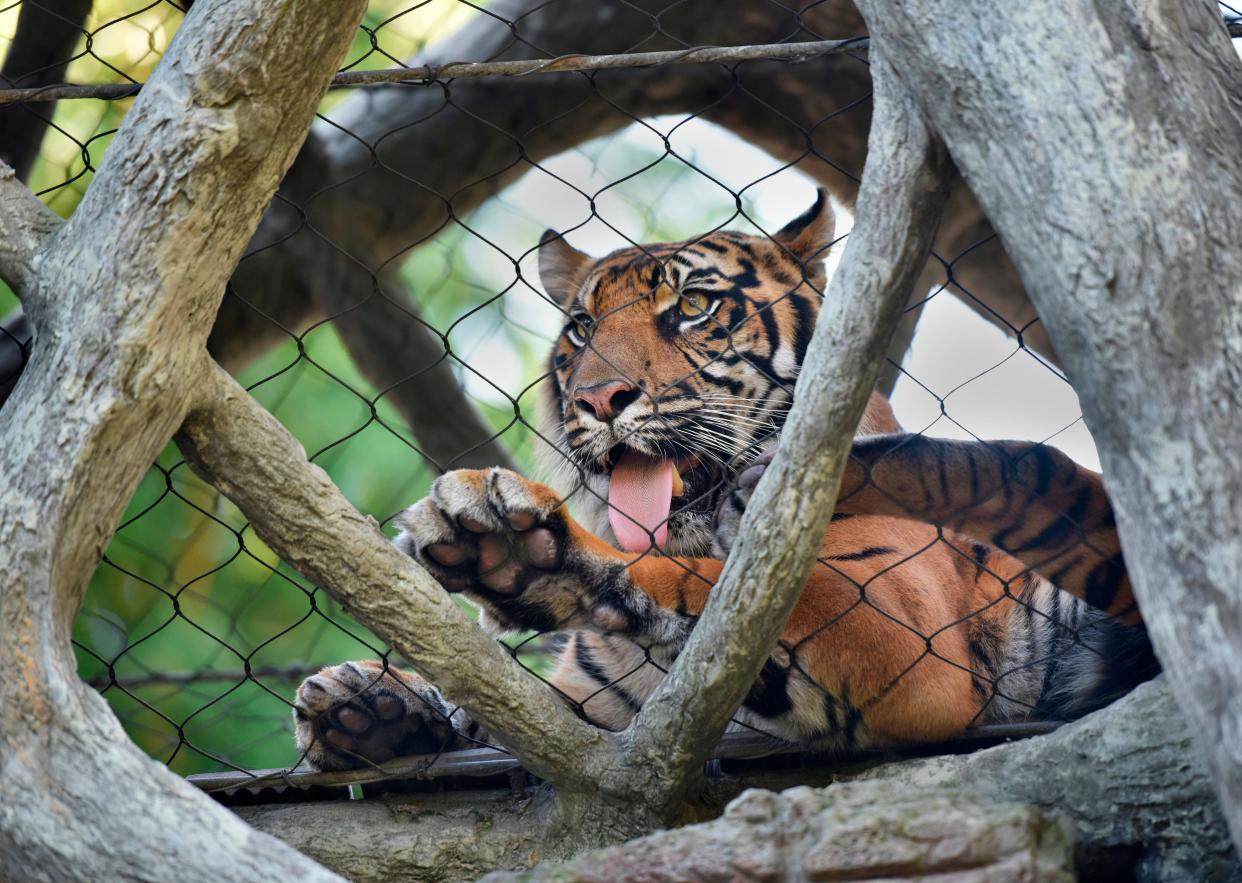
x,y
804,326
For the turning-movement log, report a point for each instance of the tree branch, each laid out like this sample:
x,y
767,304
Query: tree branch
x,y
900,203
1127,243
47,33
232,442
789,52
26,225
123,297
1128,777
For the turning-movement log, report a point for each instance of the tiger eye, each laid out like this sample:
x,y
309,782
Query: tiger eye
x,y
694,303
580,330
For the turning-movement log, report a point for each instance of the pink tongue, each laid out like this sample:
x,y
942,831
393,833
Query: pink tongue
x,y
639,497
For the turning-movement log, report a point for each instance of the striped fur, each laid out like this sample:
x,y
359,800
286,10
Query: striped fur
x,y
959,583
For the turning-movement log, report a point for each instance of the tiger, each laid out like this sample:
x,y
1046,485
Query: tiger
x,y
959,583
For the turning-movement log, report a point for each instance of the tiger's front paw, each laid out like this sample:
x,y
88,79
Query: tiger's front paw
x,y
357,713
509,545
484,529
733,502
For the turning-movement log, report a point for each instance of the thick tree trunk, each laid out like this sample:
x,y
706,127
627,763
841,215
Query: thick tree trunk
x,y
1106,146
122,296
1130,779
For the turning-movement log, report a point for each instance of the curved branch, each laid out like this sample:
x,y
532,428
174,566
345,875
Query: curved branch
x,y
123,296
26,225
232,442
901,199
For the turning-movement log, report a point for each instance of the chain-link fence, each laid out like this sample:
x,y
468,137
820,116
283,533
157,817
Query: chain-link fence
x,y
390,313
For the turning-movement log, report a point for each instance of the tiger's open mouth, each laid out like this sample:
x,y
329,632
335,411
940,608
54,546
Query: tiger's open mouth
x,y
643,490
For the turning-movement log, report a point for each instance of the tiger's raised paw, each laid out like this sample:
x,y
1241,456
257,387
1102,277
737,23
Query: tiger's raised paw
x,y
484,530
355,714
509,545
733,502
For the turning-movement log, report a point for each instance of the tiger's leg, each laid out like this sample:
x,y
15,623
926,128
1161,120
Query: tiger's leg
x,y
356,714
509,545
1028,500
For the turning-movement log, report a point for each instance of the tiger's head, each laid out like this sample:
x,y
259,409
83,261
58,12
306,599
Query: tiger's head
x,y
675,368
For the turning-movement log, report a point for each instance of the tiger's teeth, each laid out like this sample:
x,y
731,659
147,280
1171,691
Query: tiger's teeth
x,y
679,486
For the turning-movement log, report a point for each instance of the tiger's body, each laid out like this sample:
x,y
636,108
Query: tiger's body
x,y
959,583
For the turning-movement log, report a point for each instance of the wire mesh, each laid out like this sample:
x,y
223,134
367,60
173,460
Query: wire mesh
x,y
389,313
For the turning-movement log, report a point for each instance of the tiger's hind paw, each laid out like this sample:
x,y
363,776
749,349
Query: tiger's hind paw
x,y
355,714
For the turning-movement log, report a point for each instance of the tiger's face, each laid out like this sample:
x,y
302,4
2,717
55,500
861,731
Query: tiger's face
x,y
675,367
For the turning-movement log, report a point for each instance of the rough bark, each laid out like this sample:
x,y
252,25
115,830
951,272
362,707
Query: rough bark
x,y
232,442
122,296
901,198
863,831
1129,778
25,225
425,838
1103,143
47,33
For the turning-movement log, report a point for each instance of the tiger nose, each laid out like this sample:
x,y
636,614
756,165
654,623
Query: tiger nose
x,y
604,401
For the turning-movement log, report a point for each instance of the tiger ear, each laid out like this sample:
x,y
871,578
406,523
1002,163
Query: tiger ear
x,y
562,268
809,235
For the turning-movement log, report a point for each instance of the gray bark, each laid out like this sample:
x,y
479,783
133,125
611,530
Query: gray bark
x,y
862,831
122,296
25,225
901,198
1104,144
1130,779
424,838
